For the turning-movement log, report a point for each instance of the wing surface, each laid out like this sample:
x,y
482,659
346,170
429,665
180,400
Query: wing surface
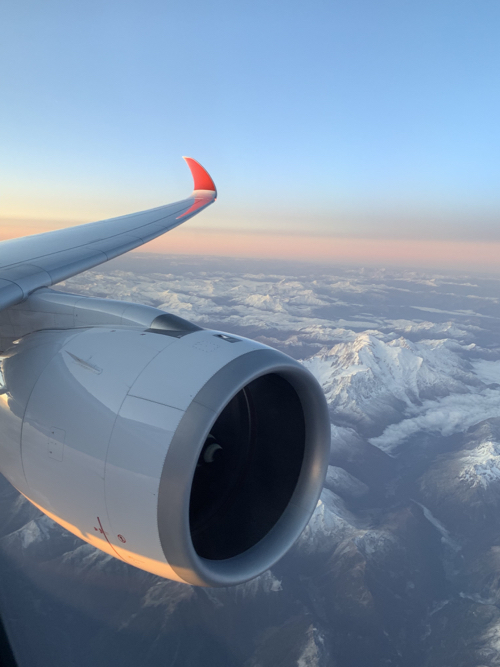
x,y
42,260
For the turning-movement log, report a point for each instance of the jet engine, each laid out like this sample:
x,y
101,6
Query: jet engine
x,y
189,453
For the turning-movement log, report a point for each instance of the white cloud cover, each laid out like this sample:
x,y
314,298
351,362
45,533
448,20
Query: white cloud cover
x,y
356,331
313,309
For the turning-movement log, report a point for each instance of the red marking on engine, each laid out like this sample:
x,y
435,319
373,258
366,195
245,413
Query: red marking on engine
x,y
106,538
122,539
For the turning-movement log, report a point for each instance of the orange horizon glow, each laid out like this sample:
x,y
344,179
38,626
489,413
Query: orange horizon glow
x,y
478,255
329,248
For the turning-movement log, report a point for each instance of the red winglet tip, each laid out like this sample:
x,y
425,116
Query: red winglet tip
x,y
201,177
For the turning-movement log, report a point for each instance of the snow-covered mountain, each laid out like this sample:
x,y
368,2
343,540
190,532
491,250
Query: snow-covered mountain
x,y
462,487
370,381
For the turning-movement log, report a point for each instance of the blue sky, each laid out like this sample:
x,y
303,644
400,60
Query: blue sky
x,y
361,118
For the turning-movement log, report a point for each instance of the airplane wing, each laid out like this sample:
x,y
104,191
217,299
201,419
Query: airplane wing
x,y
42,260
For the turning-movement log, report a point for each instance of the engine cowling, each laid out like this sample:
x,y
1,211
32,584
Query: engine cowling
x,y
192,454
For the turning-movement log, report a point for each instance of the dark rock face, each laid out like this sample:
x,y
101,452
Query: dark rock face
x,y
295,642
400,563
463,488
463,634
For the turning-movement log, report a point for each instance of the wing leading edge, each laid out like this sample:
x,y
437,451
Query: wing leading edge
x,y
42,260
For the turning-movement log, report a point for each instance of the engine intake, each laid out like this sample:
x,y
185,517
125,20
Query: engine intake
x,y
245,504
248,468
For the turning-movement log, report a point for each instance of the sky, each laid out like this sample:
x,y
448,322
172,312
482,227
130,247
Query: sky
x,y
351,131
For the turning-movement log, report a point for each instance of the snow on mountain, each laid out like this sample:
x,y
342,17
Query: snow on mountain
x,y
391,390
264,302
316,336
298,315
306,297
339,481
37,530
188,306
375,542
330,523
481,466
37,540
167,595
462,488
86,558
445,416
265,583
488,371
370,381
313,650
445,534
431,329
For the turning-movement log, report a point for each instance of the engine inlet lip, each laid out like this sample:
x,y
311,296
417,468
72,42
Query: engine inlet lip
x,y
187,442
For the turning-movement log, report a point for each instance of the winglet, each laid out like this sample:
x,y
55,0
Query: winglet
x,y
201,177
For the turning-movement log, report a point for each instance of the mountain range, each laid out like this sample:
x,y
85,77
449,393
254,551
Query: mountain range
x,y
400,562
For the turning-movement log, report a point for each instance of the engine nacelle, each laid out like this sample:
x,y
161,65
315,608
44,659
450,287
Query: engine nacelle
x,y
192,454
